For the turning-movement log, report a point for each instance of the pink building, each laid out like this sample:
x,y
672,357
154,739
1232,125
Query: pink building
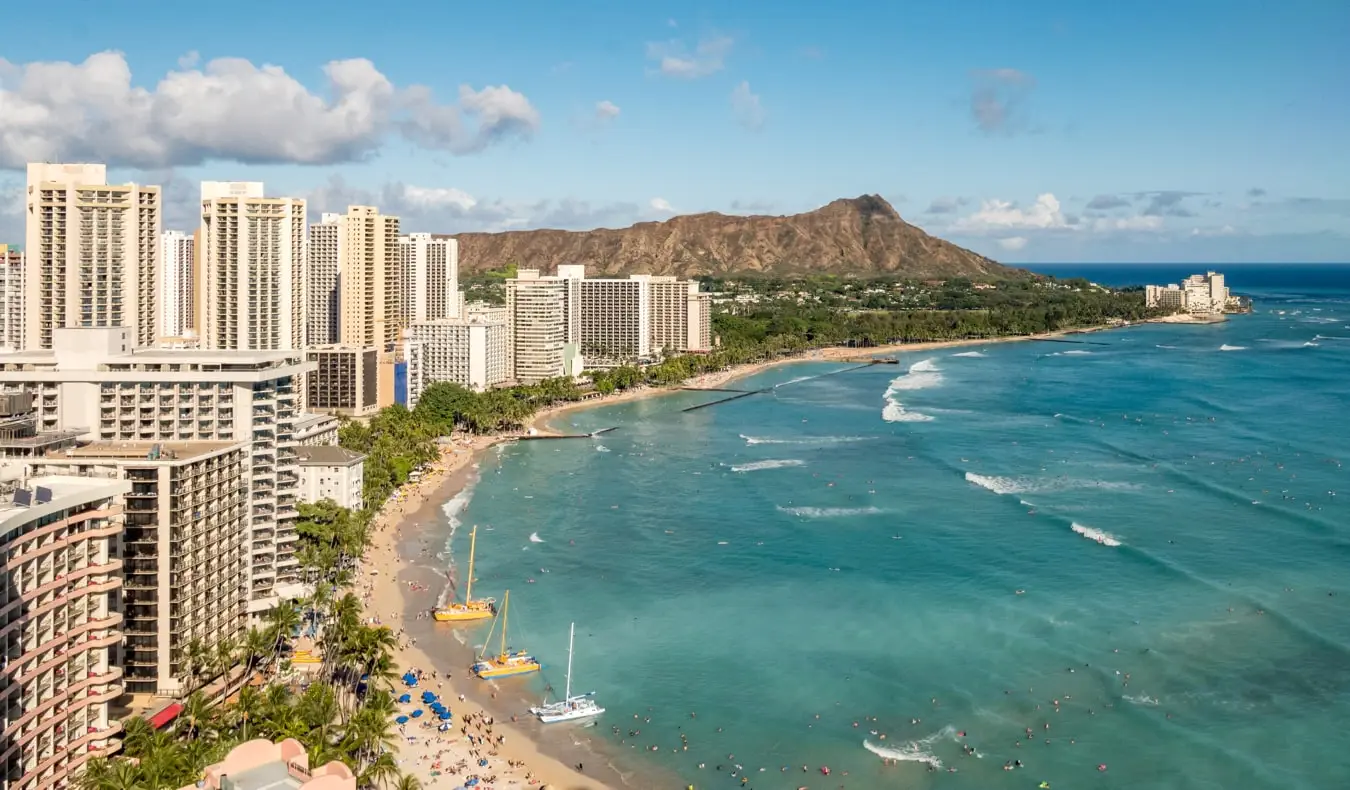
x,y
262,764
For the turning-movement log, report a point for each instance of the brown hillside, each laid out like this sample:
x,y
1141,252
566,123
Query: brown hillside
x,y
861,236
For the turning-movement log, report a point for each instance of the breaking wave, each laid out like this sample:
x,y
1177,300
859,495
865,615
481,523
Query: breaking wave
x,y
894,412
1025,484
828,512
600,448
970,354
806,440
758,465
914,751
921,375
534,538
1226,347
1094,534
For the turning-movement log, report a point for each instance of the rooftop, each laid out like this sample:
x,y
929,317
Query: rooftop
x,y
327,455
167,452
59,492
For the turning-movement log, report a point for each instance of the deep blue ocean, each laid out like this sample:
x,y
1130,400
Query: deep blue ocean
x,y
1129,553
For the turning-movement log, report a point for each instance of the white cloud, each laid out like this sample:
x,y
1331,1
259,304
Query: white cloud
x,y
997,215
1226,230
1013,243
233,110
606,110
674,60
747,108
189,59
661,205
1142,222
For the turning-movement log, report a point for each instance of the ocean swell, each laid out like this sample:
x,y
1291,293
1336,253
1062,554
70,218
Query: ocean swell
x,y
828,512
756,466
921,375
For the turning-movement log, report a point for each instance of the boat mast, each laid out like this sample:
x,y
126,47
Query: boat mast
x,y
473,540
571,638
506,601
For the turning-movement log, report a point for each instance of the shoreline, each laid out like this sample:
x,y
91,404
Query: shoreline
x,y
398,584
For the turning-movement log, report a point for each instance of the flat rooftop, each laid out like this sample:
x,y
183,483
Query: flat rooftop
x,y
269,776
66,490
145,451
327,455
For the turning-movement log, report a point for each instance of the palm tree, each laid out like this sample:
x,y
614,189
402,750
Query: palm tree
x,y
225,656
282,622
382,769
408,782
197,714
197,657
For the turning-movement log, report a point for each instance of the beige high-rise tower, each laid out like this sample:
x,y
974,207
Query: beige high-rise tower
x,y
93,253
255,259
369,289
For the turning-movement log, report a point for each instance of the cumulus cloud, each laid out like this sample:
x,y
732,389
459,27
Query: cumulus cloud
x,y
1013,243
745,105
997,99
1167,203
996,215
606,110
661,205
230,109
673,59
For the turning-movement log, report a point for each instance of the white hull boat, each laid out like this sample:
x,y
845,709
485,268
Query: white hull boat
x,y
569,708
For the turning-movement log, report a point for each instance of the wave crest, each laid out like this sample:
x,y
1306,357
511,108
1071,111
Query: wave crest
x,y
1094,534
828,512
1226,347
806,440
772,464
979,354
914,751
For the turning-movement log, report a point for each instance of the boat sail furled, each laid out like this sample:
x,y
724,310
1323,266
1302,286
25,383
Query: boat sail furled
x,y
505,663
470,609
569,708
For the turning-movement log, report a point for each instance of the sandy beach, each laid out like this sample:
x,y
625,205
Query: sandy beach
x,y
491,735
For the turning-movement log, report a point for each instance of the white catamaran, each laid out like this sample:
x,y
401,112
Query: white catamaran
x,y
569,708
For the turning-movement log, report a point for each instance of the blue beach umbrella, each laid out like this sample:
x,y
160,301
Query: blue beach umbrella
x,y
417,713
405,699
402,720
445,715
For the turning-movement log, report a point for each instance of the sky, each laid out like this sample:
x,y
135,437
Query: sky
x,y
1032,131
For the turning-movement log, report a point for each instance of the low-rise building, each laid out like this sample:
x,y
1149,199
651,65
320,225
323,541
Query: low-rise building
x,y
345,380
59,590
471,352
332,472
316,429
183,550
263,765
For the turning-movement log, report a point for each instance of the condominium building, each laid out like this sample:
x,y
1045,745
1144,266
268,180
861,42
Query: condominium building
x,y
429,278
471,352
538,343
58,608
177,286
95,383
183,548
332,472
343,380
325,256
370,270
255,258
92,253
11,298
1199,294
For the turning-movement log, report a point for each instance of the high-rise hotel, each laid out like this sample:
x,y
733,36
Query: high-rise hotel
x,y
92,253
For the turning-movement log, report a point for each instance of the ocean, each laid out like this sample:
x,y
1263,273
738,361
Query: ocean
x,y
1122,561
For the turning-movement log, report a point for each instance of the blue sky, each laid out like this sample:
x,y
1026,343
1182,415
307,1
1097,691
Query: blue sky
x,y
1029,131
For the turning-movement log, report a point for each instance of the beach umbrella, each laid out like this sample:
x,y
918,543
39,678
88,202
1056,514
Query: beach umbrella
x,y
417,713
402,720
445,715
405,699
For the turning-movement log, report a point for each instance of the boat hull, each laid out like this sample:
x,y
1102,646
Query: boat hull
x,y
487,672
547,716
461,615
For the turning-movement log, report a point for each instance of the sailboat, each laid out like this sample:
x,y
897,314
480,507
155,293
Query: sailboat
x,y
569,708
505,664
470,609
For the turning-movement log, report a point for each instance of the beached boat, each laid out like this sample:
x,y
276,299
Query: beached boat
x,y
505,663
470,609
569,708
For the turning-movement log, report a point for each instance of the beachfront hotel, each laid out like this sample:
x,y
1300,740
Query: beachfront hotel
x,y
541,312
254,252
92,253
470,352
1199,294
177,286
58,610
11,298
344,381
331,472
94,385
184,569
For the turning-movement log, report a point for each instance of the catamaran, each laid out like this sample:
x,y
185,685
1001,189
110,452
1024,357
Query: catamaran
x,y
569,708
505,663
469,610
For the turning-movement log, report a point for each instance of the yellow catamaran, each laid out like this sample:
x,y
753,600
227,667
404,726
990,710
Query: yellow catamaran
x,y
470,609
505,663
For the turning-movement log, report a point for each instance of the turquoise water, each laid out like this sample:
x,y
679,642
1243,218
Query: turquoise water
x,y
793,562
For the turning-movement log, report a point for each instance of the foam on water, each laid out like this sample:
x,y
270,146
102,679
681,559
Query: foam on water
x,y
600,448
1077,352
1094,534
979,354
828,512
914,751
534,538
756,466
1027,484
806,440
895,412
921,375
1226,347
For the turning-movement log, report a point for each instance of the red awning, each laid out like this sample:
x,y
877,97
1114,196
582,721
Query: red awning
x,y
165,716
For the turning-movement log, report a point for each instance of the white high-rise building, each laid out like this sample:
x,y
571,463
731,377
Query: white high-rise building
x,y
92,253
255,261
681,318
537,340
11,298
430,287
177,294
470,352
94,384
616,320
325,262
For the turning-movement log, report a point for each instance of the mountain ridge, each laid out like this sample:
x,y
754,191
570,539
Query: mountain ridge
x,y
862,236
